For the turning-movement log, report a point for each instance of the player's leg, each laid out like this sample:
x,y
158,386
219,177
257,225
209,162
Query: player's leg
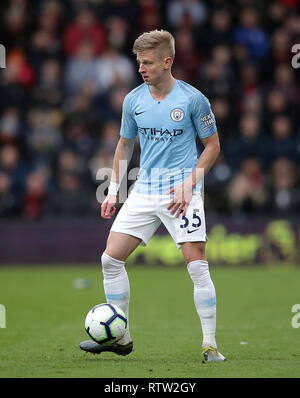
x,y
115,278
189,234
204,296
204,290
134,225
120,245
116,287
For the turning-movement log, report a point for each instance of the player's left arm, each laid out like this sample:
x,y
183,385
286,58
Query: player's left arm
x,y
183,193
206,160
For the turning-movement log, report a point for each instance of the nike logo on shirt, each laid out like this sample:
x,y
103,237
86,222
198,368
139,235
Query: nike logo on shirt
x,y
138,113
190,232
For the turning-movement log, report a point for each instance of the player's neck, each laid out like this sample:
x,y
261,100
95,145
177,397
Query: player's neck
x,y
162,89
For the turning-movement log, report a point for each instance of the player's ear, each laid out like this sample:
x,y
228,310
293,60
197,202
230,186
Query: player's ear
x,y
168,62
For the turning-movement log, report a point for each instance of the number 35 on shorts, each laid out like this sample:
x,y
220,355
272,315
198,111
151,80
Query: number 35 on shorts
x,y
192,221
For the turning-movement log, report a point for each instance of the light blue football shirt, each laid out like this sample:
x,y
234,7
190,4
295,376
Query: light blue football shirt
x,y
167,132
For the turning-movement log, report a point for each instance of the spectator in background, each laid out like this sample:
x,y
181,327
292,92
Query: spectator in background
x,y
284,189
249,80
216,183
216,73
16,23
69,162
126,9
291,24
252,35
81,107
102,158
248,141
35,193
11,126
44,136
50,16
252,103
246,190
49,88
110,104
19,69
84,28
44,45
17,79
187,54
285,82
213,81
45,42
283,142
70,200
118,31
81,68
114,69
11,164
218,31
275,104
186,12
223,113
110,135
277,13
281,47
222,55
10,202
78,138
149,15
240,57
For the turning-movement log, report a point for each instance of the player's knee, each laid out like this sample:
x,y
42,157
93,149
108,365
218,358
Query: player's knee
x,y
200,275
117,248
113,250
194,251
198,267
111,267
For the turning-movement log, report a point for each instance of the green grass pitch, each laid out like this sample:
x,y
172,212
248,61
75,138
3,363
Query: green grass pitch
x,y
45,322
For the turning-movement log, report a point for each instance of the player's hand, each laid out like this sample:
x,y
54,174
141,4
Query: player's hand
x,y
182,198
108,207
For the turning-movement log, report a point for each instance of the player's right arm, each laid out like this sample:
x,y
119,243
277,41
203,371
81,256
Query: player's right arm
x,y
123,153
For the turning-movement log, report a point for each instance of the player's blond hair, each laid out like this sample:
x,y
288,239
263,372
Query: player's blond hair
x,y
160,40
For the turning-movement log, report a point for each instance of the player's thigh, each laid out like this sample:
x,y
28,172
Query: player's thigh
x,y
137,218
193,251
120,245
188,230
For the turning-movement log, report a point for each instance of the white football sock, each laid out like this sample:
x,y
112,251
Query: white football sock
x,y
204,299
117,288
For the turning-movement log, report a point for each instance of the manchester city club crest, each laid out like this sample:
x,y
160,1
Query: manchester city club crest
x,y
177,114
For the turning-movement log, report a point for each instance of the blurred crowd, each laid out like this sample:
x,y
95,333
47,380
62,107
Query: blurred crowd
x,y
69,64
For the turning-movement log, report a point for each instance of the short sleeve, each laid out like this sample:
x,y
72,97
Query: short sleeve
x,y
128,124
202,116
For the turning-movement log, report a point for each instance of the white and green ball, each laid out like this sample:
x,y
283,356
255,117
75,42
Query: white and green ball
x,y
105,323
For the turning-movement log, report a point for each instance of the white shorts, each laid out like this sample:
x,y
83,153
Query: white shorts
x,y
141,215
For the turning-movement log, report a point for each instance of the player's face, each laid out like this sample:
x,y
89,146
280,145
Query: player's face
x,y
152,66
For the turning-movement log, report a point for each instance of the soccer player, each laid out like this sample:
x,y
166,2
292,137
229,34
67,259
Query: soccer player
x,y
166,114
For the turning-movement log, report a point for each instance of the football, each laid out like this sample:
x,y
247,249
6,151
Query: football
x,y
105,323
